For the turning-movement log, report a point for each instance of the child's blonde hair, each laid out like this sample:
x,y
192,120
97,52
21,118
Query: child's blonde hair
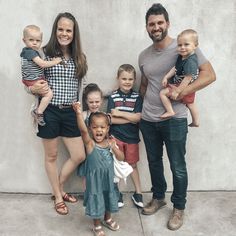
x,y
28,28
127,68
191,33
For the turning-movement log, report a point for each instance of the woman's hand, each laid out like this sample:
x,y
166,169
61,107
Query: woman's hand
x,y
40,87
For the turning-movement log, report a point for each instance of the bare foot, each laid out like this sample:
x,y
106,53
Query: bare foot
x,y
193,125
167,115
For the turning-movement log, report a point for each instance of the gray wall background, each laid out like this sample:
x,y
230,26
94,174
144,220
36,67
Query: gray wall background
x,y
113,32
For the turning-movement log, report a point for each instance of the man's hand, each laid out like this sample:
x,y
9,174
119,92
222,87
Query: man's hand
x,y
40,87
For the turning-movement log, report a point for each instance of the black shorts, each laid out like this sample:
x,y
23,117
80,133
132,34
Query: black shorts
x,y
59,122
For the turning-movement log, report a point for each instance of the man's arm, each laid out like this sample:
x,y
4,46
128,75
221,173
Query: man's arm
x,y
177,90
206,76
143,86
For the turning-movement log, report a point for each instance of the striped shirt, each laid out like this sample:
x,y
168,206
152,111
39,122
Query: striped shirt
x,y
131,102
29,69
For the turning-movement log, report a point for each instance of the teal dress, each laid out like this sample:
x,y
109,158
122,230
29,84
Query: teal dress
x,y
100,195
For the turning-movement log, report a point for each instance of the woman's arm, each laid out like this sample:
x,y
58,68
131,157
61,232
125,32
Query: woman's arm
x,y
40,87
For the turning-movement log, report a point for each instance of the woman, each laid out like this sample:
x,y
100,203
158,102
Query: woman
x,y
65,81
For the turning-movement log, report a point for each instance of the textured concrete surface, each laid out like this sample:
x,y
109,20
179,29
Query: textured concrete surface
x,y
113,32
207,214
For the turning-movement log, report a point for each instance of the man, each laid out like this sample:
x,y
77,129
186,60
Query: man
x,y
154,62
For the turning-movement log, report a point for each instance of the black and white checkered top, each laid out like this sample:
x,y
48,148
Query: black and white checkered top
x,y
63,82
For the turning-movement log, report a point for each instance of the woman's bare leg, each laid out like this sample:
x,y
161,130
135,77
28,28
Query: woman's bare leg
x,y
50,149
76,150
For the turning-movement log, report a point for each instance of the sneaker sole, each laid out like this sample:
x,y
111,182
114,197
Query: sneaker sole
x,y
120,204
138,204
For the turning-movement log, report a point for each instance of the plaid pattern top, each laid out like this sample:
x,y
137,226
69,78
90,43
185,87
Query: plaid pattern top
x,y
63,82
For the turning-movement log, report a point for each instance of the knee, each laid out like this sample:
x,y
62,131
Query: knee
x,y
179,171
134,166
51,157
78,159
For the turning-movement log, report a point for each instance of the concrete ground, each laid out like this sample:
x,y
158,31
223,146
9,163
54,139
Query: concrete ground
x,y
207,214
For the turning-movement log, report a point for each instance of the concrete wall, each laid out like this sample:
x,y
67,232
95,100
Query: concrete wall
x,y
113,32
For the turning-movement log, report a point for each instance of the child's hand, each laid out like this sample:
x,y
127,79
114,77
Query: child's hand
x,y
112,142
115,112
174,95
164,82
77,107
57,59
174,92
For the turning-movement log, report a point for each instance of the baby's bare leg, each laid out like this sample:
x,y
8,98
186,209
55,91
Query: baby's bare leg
x,y
164,95
44,102
194,114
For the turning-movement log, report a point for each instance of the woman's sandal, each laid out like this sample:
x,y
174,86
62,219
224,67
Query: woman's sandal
x,y
67,198
98,231
111,224
61,208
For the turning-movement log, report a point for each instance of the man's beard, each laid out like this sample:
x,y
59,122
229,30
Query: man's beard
x,y
159,38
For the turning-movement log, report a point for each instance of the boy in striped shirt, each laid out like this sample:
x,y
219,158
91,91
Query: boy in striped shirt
x,y
125,106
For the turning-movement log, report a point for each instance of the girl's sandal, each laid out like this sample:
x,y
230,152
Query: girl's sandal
x,y
98,231
111,224
61,208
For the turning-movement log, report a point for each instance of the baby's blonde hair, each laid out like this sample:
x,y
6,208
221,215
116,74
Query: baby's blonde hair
x,y
28,28
191,33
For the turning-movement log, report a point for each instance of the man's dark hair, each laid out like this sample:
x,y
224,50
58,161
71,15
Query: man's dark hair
x,y
157,9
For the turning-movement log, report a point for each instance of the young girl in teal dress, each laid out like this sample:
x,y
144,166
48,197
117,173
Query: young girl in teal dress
x,y
92,102
100,198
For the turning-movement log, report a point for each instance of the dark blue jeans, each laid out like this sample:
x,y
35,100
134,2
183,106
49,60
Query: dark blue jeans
x,y
172,133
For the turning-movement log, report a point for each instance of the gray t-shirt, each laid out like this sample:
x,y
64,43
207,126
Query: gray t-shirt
x,y
154,64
